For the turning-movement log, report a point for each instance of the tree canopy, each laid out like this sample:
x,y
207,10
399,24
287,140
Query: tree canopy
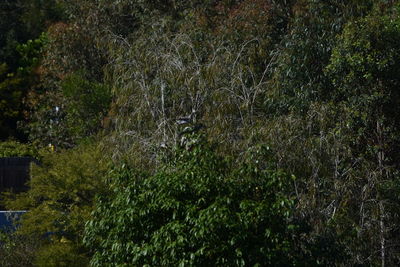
x,y
173,130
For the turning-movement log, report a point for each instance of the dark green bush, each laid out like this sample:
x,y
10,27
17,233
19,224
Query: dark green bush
x,y
198,210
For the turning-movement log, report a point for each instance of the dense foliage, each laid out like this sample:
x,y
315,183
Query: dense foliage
x,y
197,210
16,149
20,44
314,80
59,201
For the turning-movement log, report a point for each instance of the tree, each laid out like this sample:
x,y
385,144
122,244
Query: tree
x,y
59,201
364,68
20,48
298,77
198,210
73,98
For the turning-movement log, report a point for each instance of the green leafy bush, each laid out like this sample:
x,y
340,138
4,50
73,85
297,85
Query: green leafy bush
x,y
60,199
16,149
198,210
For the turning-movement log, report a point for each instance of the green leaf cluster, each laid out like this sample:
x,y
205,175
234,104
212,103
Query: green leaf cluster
x,y
200,209
16,149
60,200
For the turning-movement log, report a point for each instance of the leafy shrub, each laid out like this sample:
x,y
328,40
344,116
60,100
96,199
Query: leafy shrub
x,y
198,210
60,199
15,149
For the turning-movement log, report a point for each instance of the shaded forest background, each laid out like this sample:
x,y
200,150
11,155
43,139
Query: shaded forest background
x,y
201,133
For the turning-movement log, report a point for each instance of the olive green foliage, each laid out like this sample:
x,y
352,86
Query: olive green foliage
x,y
16,250
16,149
24,251
60,254
60,199
87,104
198,210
